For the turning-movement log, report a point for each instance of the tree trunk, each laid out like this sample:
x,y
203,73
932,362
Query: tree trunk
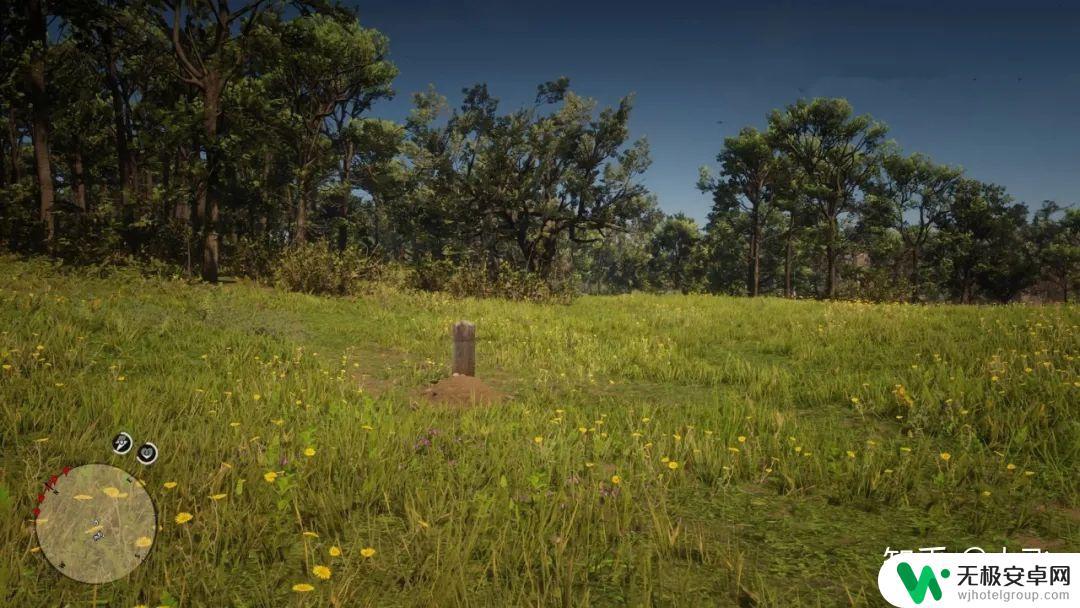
x,y
789,255
125,161
166,191
4,173
265,193
966,295
831,253
39,100
914,273
79,179
185,197
346,196
210,195
753,283
189,207
301,214
16,147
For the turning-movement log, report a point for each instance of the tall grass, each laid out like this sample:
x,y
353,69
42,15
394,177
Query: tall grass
x,y
656,450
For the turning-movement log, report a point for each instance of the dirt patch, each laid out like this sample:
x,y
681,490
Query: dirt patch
x,y
373,370
461,390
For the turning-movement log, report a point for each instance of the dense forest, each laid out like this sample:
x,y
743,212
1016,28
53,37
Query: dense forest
x,y
221,138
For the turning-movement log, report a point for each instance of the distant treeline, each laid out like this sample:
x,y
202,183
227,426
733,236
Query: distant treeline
x,y
231,138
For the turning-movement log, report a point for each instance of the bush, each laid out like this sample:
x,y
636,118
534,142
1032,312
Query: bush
x,y
316,269
483,281
875,285
253,258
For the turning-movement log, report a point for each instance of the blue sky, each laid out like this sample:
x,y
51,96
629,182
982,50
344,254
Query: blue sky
x,y
991,86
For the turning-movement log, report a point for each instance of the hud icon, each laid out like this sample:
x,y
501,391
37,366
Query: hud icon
x,y
147,453
121,444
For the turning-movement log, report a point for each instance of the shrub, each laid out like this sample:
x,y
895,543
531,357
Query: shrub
x,y
316,269
252,258
484,281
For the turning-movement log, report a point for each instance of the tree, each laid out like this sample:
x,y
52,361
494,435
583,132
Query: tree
x,y
981,248
750,174
795,209
217,133
723,266
325,65
77,135
530,179
115,38
620,263
37,37
912,196
674,253
836,153
209,52
1057,246
369,149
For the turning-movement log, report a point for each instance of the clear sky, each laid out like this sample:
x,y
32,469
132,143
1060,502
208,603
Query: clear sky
x,y
988,85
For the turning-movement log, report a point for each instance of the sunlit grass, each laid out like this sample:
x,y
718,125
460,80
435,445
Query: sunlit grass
x,y
657,449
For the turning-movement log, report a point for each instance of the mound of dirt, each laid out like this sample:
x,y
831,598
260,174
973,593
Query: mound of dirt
x,y
461,390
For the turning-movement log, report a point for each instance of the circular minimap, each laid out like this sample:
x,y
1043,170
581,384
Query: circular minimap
x,y
96,523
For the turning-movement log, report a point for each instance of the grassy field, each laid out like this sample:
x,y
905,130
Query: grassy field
x,y
655,450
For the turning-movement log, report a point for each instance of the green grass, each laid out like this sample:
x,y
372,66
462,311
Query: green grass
x,y
758,401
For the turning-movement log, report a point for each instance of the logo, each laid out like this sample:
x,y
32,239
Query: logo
x,y
980,580
926,581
